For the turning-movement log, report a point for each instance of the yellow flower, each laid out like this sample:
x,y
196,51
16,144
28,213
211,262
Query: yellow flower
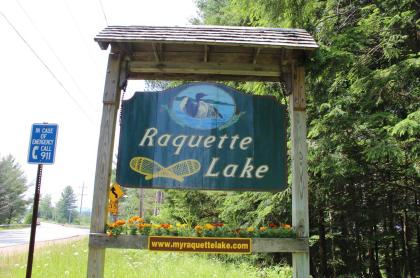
x,y
198,228
181,225
155,226
250,229
144,225
209,227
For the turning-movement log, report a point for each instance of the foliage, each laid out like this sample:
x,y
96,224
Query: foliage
x,y
191,207
28,218
45,207
66,206
130,203
12,189
363,131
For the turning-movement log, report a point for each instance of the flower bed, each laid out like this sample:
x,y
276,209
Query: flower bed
x,y
136,225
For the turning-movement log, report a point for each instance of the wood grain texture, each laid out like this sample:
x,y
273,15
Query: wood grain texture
x,y
111,100
259,245
205,68
210,35
300,213
211,56
201,77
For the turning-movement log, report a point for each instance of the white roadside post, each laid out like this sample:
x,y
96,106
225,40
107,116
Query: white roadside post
x,y
300,212
111,100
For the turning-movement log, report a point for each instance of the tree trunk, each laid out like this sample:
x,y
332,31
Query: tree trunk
x,y
416,202
334,271
407,239
158,202
373,263
9,218
403,246
322,244
395,261
141,201
388,264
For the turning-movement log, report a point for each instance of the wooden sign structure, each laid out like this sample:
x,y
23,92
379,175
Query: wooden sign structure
x,y
204,53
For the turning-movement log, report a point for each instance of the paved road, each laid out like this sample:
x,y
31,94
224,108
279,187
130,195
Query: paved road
x,y
45,231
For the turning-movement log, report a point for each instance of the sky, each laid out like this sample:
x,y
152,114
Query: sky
x,y
66,88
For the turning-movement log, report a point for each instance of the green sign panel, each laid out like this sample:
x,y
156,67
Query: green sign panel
x,y
202,136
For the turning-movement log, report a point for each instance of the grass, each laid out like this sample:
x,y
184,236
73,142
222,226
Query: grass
x,y
13,226
70,260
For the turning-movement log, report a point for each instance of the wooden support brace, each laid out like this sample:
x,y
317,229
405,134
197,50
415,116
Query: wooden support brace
x,y
111,99
205,68
206,53
156,52
255,56
300,213
127,48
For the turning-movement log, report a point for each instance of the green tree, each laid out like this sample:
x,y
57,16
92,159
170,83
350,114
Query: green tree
x,y
192,207
45,207
66,206
363,119
12,189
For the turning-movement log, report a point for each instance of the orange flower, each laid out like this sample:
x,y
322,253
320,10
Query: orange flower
x,y
287,226
218,224
166,226
135,219
198,228
262,229
144,225
272,225
119,222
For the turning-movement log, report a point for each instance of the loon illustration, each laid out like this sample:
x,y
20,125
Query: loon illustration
x,y
199,108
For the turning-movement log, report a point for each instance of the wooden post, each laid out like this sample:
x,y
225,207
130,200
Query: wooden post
x,y
300,213
111,99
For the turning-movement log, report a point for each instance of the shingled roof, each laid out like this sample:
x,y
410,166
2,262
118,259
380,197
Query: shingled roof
x,y
211,35
207,52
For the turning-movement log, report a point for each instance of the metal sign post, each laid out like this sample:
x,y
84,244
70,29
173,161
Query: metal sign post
x,y
34,219
41,151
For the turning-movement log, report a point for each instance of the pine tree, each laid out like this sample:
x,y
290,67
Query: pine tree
x,y
12,189
363,88
45,207
66,206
